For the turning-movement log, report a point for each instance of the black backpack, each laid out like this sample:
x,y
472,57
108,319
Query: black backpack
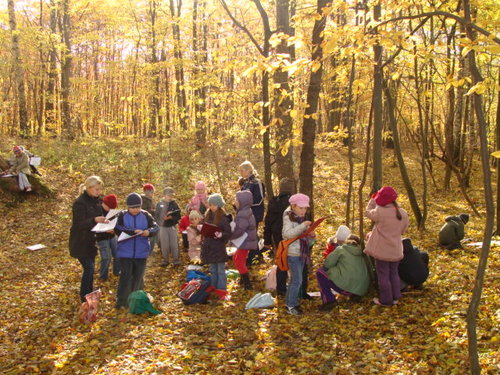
x,y
195,291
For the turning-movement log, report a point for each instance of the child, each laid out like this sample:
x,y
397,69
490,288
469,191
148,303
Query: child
x,y
199,200
340,237
244,224
274,226
345,271
213,249
414,268
168,215
21,168
106,241
249,181
149,206
183,226
452,231
133,252
294,224
384,243
194,236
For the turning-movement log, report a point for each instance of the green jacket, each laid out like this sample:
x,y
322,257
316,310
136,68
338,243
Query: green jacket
x,y
451,232
347,268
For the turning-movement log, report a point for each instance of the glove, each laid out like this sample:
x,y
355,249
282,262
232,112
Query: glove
x,y
218,234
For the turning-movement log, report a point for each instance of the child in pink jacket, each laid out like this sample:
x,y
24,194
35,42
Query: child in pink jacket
x,y
385,242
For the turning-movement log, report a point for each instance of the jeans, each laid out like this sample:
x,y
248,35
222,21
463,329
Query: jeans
x,y
107,249
296,266
218,276
131,279
87,283
388,281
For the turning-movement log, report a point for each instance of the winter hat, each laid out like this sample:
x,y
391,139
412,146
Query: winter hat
x,y
200,185
300,200
342,233
168,191
111,201
16,149
195,215
464,218
147,187
134,200
216,199
287,186
385,196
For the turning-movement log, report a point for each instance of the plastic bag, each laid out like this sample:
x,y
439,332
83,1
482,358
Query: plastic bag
x,y
260,300
88,309
271,278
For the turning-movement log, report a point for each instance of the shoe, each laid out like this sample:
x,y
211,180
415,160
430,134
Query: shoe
x,y
376,301
294,310
327,306
306,297
28,189
247,284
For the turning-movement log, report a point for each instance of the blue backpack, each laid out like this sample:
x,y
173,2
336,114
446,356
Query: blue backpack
x,y
195,274
195,291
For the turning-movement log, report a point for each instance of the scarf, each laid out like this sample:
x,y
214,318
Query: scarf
x,y
197,200
305,249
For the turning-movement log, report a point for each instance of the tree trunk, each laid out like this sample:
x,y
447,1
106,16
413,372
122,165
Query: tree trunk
x,y
154,100
50,103
283,100
377,108
472,311
497,135
309,124
66,63
349,123
199,71
19,72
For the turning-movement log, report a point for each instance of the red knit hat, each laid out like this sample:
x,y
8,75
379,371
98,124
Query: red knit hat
x,y
385,196
111,201
16,148
148,187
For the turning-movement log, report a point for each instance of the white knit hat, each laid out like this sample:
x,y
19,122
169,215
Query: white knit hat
x,y
343,233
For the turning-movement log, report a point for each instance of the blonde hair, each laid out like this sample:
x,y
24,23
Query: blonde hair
x,y
248,166
90,182
195,214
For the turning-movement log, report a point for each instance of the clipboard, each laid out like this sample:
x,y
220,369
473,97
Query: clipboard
x,y
312,227
208,230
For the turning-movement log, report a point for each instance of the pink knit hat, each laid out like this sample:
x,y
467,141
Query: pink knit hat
x,y
200,185
385,196
16,149
300,200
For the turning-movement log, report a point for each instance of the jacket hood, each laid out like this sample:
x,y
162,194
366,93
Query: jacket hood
x,y
353,249
453,218
244,198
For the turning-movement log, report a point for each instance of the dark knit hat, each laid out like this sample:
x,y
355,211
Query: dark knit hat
x,y
287,186
111,201
134,200
464,218
146,187
168,191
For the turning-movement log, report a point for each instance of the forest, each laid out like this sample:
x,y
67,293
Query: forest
x,y
341,96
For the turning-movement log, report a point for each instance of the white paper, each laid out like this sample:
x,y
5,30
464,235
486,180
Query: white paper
x,y
112,213
38,246
123,236
35,161
104,227
238,241
479,244
8,175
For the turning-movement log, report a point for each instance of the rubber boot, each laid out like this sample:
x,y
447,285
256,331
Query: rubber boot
x,y
246,281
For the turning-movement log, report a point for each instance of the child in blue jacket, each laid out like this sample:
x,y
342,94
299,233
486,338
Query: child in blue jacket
x,y
133,252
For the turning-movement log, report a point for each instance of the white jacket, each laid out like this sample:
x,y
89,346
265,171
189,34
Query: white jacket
x,y
290,230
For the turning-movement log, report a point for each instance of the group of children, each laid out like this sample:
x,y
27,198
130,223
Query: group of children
x,y
347,270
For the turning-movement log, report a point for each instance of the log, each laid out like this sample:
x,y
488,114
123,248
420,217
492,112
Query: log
x,y
9,186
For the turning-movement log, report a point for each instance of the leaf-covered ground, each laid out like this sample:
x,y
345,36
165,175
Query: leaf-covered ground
x,y
40,332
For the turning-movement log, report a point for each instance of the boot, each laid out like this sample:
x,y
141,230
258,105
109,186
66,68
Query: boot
x,y
245,279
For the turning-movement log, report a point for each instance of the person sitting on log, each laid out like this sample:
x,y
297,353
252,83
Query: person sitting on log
x,y
20,168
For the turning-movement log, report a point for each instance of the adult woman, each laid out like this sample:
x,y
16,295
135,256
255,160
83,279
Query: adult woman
x,y
87,211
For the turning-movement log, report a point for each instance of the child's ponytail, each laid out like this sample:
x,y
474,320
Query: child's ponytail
x,y
398,213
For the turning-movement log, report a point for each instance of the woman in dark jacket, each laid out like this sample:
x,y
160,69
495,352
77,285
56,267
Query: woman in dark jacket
x,y
213,249
87,212
249,181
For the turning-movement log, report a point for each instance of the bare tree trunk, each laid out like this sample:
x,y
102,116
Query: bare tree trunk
x,y
283,100
19,72
199,70
154,100
50,103
349,123
309,124
497,136
66,64
377,108
488,198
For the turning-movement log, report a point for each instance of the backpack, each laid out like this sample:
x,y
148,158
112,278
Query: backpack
x,y
196,274
282,253
194,291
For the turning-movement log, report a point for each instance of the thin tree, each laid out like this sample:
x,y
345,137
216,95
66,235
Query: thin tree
x,y
19,71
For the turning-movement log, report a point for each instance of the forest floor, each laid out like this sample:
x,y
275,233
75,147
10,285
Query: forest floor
x,y
40,331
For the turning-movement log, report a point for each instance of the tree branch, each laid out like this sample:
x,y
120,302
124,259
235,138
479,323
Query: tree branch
x,y
242,27
459,19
